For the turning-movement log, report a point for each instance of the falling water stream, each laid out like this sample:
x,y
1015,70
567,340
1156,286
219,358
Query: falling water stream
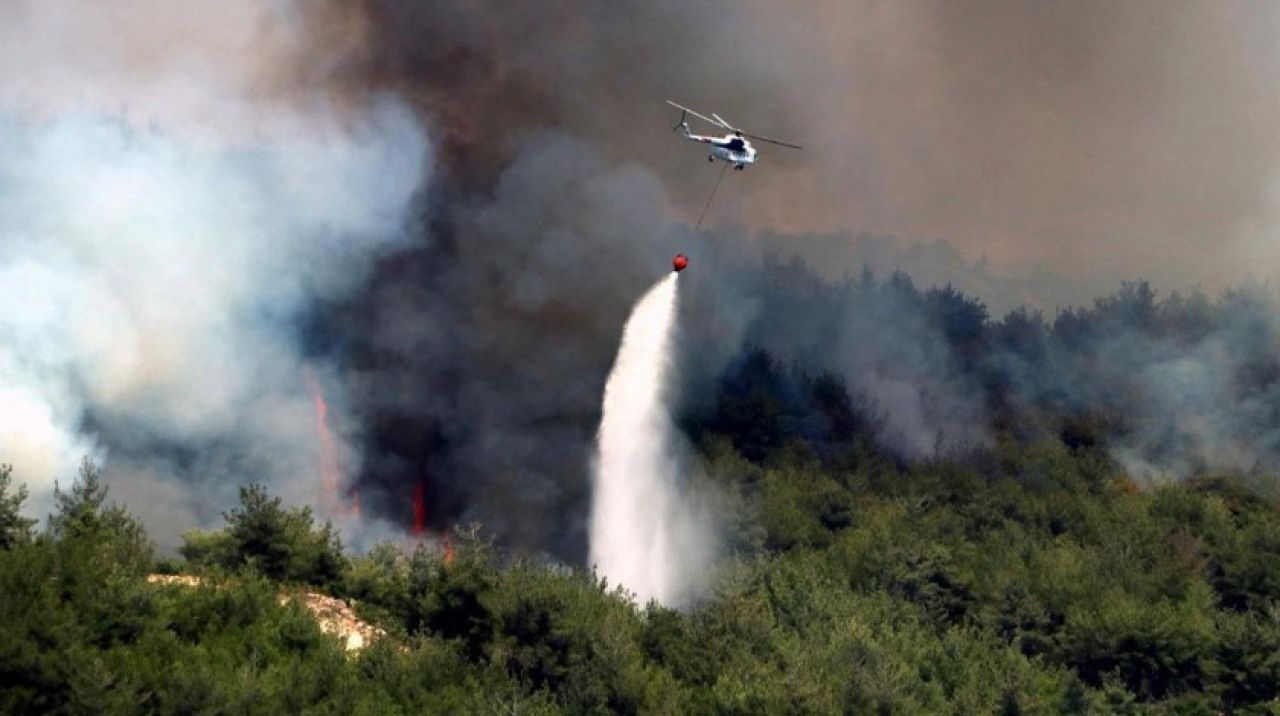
x,y
635,511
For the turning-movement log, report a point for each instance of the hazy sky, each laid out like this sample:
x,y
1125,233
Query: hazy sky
x,y
1090,141
1090,138
1132,138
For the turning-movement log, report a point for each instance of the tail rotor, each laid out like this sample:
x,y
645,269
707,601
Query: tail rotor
x,y
682,124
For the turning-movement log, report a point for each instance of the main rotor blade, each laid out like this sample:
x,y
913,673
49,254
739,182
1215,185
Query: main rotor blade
x,y
719,122
703,117
772,141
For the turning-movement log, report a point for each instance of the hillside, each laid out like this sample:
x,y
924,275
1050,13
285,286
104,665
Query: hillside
x,y
1030,578
334,616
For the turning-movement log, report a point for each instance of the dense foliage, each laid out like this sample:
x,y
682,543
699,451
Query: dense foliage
x,y
283,544
1029,571
1034,578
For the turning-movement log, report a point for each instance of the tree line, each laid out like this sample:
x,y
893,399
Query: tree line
x,y
1030,577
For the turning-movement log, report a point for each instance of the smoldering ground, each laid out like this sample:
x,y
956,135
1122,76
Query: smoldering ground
x,y
461,304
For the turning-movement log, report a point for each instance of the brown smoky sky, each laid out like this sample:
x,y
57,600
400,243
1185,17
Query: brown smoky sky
x,y
1099,140
1088,139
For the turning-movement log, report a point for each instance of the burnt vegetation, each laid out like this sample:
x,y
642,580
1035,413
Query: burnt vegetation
x,y
1094,544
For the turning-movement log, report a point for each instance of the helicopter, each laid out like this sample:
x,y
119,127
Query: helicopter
x,y
732,147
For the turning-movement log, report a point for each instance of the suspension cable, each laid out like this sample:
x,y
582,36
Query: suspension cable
x,y
711,198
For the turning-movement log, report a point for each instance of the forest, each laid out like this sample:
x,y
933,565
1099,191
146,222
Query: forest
x,y
1077,537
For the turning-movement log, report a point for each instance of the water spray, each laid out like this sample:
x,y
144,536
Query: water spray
x,y
636,516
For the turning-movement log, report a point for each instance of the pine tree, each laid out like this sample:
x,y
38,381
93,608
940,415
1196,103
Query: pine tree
x,y
284,543
82,514
14,528
79,509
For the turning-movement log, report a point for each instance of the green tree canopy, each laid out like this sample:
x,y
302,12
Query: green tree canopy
x,y
283,543
83,515
14,528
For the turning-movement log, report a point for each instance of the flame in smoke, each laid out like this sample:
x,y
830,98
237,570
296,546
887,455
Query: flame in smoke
x,y
331,477
419,508
419,503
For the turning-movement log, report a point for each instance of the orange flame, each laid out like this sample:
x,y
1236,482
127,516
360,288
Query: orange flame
x,y
419,508
419,503
331,477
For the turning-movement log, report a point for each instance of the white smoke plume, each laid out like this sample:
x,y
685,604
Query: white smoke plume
x,y
169,208
644,535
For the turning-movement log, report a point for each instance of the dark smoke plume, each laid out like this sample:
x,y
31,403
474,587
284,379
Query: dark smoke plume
x,y
1026,153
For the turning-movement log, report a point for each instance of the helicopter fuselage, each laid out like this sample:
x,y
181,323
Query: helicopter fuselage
x,y
730,148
